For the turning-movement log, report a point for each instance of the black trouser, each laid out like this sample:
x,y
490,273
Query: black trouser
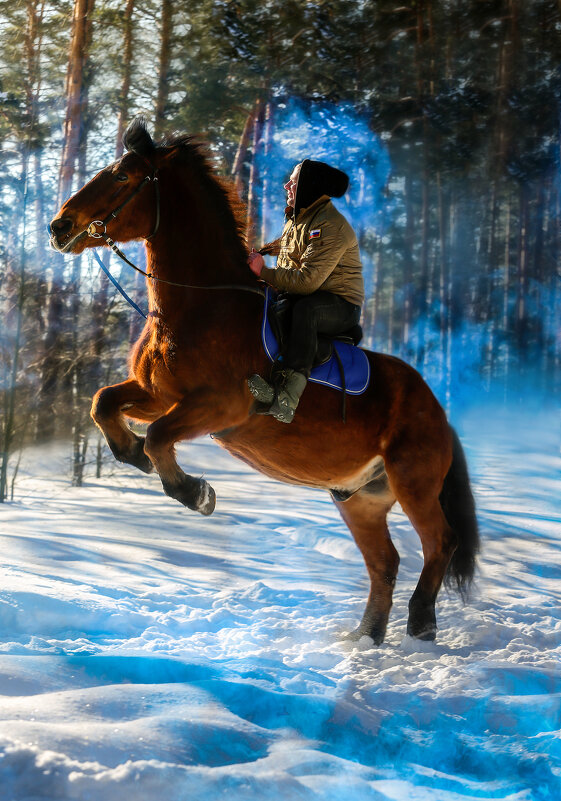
x,y
319,313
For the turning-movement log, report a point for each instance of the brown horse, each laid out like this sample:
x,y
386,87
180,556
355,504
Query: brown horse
x,y
201,342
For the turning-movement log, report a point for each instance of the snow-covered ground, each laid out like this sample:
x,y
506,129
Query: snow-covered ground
x,y
147,652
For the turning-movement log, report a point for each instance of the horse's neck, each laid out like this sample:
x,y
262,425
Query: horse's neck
x,y
201,317
197,245
191,271
197,242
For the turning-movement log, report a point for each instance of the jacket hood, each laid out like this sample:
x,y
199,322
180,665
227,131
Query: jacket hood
x,y
316,179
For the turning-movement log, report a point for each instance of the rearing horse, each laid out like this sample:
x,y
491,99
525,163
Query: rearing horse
x,y
201,342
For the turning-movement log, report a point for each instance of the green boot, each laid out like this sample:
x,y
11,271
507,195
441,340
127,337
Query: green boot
x,y
261,390
290,389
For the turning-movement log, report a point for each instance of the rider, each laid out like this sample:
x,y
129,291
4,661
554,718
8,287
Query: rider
x,y
319,265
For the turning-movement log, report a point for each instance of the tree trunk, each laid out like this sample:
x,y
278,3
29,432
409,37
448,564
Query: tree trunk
x,y
9,422
125,85
521,284
372,305
505,310
266,232
424,289
423,295
74,135
391,311
556,286
408,259
163,70
33,47
241,153
75,101
252,213
42,253
444,279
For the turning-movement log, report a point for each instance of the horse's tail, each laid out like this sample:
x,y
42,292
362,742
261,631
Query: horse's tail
x,y
458,506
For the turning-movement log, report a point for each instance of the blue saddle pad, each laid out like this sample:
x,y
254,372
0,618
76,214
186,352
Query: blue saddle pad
x,y
354,359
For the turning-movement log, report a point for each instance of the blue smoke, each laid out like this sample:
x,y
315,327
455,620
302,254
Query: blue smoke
x,y
338,135
454,357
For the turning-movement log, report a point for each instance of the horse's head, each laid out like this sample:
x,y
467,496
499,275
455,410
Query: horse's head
x,y
161,193
120,198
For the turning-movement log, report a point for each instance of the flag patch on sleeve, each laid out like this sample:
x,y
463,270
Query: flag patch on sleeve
x,y
315,234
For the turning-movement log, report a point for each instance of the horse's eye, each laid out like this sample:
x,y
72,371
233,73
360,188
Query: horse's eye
x,y
121,176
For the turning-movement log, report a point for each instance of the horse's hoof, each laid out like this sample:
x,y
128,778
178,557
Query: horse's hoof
x,y
358,633
135,455
422,631
194,493
421,623
138,458
426,635
207,499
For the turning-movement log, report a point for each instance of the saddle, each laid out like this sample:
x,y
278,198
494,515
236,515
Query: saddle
x,y
339,363
279,317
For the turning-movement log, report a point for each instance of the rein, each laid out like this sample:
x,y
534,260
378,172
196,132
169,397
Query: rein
x,y
92,231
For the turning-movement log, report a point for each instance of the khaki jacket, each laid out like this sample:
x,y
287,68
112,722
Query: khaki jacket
x,y
318,250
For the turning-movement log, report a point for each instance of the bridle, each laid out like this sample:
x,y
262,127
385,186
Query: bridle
x,y
92,231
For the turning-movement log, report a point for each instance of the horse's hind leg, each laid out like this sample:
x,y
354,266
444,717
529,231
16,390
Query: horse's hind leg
x,y
417,486
438,543
365,515
109,408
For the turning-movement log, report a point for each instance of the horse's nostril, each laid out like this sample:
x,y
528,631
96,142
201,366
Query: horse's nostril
x,y
61,226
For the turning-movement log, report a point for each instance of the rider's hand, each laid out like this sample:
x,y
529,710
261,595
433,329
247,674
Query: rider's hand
x,y
256,262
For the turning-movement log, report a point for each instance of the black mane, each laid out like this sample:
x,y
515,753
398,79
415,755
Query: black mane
x,y
223,197
191,152
137,138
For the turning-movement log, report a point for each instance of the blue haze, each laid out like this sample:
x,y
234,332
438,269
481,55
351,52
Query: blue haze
x,y
457,365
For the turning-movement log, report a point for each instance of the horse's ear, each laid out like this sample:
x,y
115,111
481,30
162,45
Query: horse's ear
x,y
137,138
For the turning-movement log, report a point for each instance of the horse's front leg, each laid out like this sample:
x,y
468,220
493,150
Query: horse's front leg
x,y
199,413
109,408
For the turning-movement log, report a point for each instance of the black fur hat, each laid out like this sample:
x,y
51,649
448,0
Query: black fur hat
x,y
316,179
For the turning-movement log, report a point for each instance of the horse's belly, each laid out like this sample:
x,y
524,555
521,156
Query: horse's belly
x,y
311,466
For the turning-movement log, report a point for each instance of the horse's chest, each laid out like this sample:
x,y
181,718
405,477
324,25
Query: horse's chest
x,y
155,367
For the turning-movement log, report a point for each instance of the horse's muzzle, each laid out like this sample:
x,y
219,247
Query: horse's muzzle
x,y
60,226
60,230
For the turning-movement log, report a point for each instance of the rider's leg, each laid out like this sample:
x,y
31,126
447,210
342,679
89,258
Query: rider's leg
x,y
318,313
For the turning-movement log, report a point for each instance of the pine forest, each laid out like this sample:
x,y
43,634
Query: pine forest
x,y
446,115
